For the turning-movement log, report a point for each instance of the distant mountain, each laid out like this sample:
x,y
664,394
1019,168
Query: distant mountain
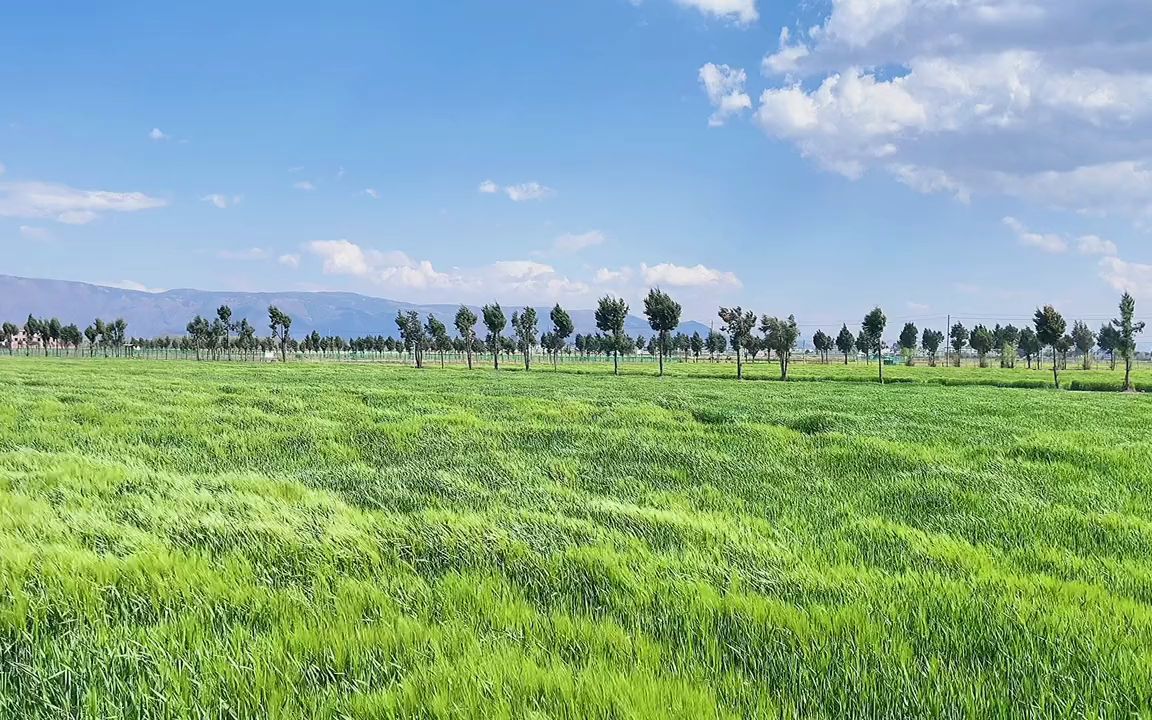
x,y
167,313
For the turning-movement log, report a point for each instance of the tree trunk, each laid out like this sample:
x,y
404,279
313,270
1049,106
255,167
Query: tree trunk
x,y
469,357
739,364
1055,369
616,361
660,351
1128,374
783,366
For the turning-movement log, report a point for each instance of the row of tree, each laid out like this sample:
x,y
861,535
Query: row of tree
x,y
221,335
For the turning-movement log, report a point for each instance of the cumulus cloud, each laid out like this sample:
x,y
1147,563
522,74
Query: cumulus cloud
x,y
682,276
222,201
304,185
1095,245
572,243
514,280
1047,101
291,260
607,276
518,193
67,204
725,89
1048,242
157,135
132,285
253,253
740,11
528,191
372,193
1124,276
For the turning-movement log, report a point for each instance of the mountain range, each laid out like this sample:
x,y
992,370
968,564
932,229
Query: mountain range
x,y
151,314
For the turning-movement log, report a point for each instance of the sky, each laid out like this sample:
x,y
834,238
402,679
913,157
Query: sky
x,y
971,158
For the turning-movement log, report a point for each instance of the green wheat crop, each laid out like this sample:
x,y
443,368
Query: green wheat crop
x,y
184,540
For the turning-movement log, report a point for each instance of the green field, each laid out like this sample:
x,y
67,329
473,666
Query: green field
x,y
312,540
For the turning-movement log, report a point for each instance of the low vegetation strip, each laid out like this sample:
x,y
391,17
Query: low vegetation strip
x,y
191,540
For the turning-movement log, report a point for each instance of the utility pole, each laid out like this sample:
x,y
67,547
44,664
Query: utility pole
x,y
947,339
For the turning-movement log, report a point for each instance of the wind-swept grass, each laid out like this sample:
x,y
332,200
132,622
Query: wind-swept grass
x,y
183,540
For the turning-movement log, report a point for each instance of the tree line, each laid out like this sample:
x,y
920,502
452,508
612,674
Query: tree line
x,y
221,336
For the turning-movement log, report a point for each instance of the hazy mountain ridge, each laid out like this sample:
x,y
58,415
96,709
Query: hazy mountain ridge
x,y
167,313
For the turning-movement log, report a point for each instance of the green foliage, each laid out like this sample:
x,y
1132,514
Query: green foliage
x,y
1125,338
982,341
780,337
663,316
611,314
845,342
739,325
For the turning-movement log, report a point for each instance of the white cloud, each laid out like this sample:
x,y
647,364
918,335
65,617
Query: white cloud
x,y
304,185
132,285
66,204
1048,242
30,232
518,193
606,276
682,276
372,193
1095,245
725,89
291,260
511,280
222,201
575,243
528,191
740,11
1125,276
157,135
1046,101
253,253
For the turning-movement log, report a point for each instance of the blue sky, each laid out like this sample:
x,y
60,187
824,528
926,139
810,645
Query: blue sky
x,y
933,157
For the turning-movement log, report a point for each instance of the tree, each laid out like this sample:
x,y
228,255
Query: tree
x,y
246,336
1029,346
611,314
281,325
716,344
1126,331
1108,340
982,341
70,335
224,317
31,330
780,336
908,338
873,329
1007,338
524,325
562,328
663,316
930,341
739,325
1050,327
437,333
845,342
959,336
495,321
9,331
1085,340
823,343
413,335
696,345
51,331
466,327
198,330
